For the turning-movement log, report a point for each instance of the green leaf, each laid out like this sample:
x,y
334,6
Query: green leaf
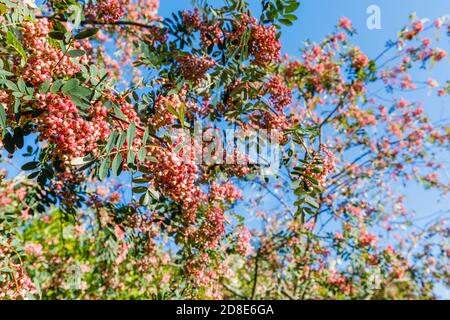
x,y
80,91
86,33
2,116
144,199
44,86
21,85
312,180
33,175
131,157
30,165
153,193
292,7
57,35
6,73
286,22
76,53
104,168
121,140
312,202
9,84
172,110
111,141
139,189
69,86
131,134
13,42
119,113
146,135
181,117
117,164
291,17
56,86
142,154
8,142
18,137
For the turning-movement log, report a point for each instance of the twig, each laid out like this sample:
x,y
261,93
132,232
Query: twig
x,y
240,295
102,23
255,275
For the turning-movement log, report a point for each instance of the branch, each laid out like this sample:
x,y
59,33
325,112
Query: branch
x,y
240,295
348,166
102,23
255,276
285,205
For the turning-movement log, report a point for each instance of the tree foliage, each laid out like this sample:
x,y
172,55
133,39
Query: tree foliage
x,y
113,203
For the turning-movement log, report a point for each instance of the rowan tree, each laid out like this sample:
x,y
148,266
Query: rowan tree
x,y
113,202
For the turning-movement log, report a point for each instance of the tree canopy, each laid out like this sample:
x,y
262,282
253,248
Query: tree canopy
x,y
188,157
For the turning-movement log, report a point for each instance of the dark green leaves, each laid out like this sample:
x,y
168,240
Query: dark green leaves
x,y
30,166
8,142
86,33
312,202
149,193
281,11
18,137
119,114
75,53
139,189
44,86
57,35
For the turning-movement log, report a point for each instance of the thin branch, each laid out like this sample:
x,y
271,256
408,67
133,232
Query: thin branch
x,y
255,275
240,295
103,23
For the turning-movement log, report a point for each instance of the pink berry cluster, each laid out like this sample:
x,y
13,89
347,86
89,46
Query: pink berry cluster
x,y
263,44
194,68
163,116
280,98
175,175
142,9
106,10
21,285
62,124
326,165
367,239
346,24
45,60
210,33
224,193
358,59
280,95
243,245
